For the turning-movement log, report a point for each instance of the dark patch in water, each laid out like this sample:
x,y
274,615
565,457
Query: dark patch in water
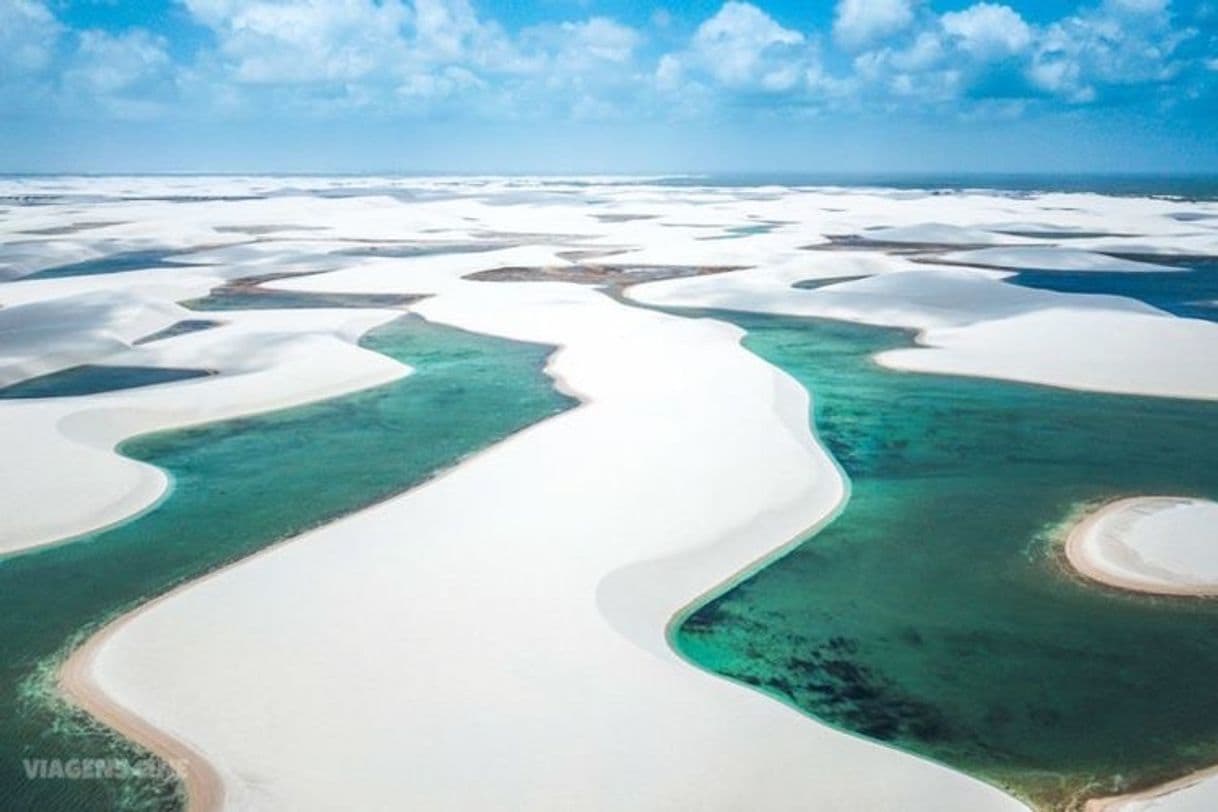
x,y
932,614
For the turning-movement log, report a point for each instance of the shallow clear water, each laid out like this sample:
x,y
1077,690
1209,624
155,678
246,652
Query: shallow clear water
x,y
90,379
736,232
240,485
115,263
934,614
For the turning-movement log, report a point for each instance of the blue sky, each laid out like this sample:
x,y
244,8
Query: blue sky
x,y
608,85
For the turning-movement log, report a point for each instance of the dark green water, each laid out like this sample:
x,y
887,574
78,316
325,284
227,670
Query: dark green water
x,y
89,379
239,486
934,613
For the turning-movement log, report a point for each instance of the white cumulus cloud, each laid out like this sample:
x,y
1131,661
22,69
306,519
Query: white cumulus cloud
x,y
109,63
28,33
859,22
307,40
741,46
1077,56
593,43
988,30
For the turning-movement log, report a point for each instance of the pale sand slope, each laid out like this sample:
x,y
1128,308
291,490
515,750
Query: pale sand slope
x,y
71,480
169,286
898,294
47,336
1158,544
1050,258
939,234
509,653
1077,348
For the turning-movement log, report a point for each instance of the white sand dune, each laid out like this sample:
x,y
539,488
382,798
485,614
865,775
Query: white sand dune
x,y
940,234
515,650
20,258
495,639
43,337
1051,258
1092,349
263,361
974,324
1158,544
1048,231
921,298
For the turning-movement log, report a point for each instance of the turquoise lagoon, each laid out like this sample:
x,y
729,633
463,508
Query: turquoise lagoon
x,y
240,485
935,614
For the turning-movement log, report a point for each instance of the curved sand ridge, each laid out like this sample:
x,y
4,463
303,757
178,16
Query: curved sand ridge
x,y
1158,544
1047,258
264,360
972,323
521,634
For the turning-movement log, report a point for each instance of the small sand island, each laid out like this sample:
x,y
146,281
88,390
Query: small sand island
x,y
1162,545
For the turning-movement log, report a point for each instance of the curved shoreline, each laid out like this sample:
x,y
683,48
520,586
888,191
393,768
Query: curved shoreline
x,y
85,437
202,783
1090,563
790,515
1118,803
1078,556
